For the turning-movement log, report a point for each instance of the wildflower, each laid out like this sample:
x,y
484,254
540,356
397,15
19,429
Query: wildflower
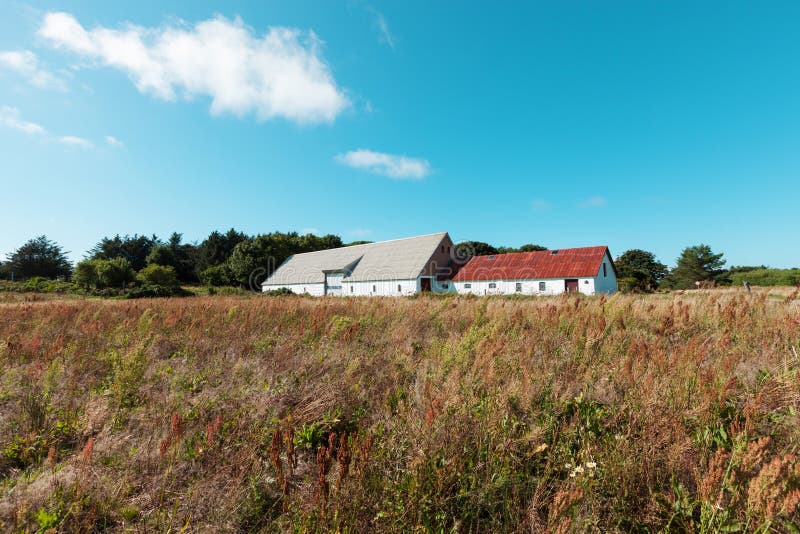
x,y
567,466
591,465
579,469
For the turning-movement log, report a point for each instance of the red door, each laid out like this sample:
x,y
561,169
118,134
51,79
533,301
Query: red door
x,y
571,285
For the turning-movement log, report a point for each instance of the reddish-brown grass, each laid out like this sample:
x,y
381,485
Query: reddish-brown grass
x,y
662,412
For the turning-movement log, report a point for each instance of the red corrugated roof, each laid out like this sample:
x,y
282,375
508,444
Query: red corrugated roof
x,y
564,263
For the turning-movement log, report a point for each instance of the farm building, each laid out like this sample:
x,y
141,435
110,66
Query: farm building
x,y
388,268
588,270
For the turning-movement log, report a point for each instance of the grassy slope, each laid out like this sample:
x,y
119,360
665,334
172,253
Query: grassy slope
x,y
223,413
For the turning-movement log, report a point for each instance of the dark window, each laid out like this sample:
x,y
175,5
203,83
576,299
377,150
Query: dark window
x,y
445,285
374,290
519,287
442,249
351,289
604,269
542,286
492,285
491,257
448,249
399,288
467,286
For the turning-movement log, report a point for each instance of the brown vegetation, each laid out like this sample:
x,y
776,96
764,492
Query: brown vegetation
x,y
663,412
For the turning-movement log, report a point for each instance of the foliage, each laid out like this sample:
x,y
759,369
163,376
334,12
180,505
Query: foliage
x,y
216,249
116,273
134,248
158,275
39,257
642,268
255,259
466,249
766,277
696,264
218,275
180,256
529,247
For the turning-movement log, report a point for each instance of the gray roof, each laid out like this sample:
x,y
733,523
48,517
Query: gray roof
x,y
399,259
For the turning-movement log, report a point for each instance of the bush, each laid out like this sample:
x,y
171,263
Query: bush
x,y
281,291
156,291
217,275
158,275
101,274
767,277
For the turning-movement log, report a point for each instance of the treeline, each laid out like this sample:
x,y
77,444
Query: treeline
x,y
149,266
141,265
639,270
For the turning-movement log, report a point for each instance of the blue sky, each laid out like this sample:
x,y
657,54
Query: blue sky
x,y
636,124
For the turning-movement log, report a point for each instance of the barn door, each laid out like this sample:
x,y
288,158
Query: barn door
x,y
425,284
571,285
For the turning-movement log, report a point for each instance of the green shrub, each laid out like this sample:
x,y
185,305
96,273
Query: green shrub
x,y
158,275
767,277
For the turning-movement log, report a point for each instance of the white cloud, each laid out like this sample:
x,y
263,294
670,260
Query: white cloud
x,y
594,202
113,141
385,35
11,118
281,74
393,166
26,64
72,140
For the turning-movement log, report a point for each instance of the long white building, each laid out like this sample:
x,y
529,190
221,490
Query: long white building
x,y
388,268
587,270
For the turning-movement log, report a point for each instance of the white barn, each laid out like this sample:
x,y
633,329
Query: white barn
x,y
588,270
388,268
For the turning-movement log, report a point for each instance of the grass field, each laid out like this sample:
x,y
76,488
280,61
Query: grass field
x,y
675,412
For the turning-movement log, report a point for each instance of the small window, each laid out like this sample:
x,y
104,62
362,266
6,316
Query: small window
x,y
542,286
492,285
351,289
442,249
491,257
467,286
519,287
554,252
445,285
448,249
604,269
374,290
399,288
585,281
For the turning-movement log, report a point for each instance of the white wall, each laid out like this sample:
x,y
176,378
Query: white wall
x,y
552,286
386,288
315,290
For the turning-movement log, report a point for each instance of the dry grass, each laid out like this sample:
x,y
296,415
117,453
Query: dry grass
x,y
654,413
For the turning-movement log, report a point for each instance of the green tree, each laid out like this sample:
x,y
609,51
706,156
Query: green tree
x,y
39,257
85,274
218,275
697,264
158,275
134,248
116,273
255,259
641,269
180,256
216,249
467,249
530,247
